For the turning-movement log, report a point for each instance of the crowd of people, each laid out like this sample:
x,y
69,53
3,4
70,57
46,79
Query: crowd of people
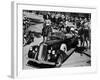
x,y
63,22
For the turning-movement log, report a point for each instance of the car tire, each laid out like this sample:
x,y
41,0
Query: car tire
x,y
59,61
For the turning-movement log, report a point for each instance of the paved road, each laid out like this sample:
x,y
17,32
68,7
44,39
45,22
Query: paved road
x,y
77,60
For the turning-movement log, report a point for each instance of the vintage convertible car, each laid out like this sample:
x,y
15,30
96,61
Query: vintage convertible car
x,y
54,52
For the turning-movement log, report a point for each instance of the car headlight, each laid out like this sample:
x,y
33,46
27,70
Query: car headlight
x,y
53,52
49,51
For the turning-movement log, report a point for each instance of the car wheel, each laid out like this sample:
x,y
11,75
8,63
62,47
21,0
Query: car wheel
x,y
59,61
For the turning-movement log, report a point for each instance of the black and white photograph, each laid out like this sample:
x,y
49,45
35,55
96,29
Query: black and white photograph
x,y
56,39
